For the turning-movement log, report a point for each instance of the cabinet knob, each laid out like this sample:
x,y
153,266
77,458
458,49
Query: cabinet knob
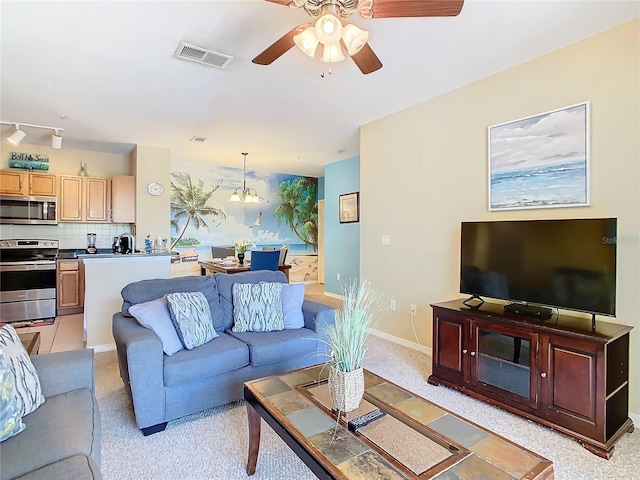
x,y
464,351
543,375
473,354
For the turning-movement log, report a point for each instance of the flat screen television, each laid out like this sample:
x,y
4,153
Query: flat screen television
x,y
568,264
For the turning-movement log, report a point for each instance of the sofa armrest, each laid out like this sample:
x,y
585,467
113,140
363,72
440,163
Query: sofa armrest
x,y
141,362
316,313
64,372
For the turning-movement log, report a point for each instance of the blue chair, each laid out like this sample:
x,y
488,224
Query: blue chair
x,y
265,260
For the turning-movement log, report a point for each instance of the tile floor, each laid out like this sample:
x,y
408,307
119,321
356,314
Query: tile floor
x,y
66,332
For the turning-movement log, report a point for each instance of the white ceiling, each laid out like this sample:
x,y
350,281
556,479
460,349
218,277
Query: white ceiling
x,y
108,68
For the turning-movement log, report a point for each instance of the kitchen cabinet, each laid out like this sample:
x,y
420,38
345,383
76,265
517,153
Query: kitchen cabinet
x,y
70,288
14,182
565,372
123,199
82,199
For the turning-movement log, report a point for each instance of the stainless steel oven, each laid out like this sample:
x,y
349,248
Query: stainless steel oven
x,y
27,279
23,210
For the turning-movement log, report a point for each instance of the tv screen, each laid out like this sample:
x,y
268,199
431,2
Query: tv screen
x,y
569,264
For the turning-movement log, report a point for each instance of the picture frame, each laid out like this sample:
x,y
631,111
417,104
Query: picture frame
x,y
349,205
540,161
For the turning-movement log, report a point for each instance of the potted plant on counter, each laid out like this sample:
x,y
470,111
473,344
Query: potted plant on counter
x,y
347,340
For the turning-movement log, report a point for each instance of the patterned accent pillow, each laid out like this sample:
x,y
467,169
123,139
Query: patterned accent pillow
x,y
28,390
10,422
191,315
257,307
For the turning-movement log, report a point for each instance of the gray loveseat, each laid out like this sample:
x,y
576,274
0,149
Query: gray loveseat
x,y
164,388
63,436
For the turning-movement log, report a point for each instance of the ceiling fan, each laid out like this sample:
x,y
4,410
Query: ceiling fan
x,y
331,36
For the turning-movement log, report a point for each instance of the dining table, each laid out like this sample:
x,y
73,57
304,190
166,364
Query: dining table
x,y
208,267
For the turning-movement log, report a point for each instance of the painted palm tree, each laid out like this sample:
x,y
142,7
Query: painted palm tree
x,y
298,208
189,203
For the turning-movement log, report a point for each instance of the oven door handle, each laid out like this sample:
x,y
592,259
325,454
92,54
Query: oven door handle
x,y
26,266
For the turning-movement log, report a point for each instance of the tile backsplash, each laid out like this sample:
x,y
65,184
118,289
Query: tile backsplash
x,y
70,235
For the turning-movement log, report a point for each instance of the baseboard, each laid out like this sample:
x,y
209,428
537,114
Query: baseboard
x,y
635,418
402,341
104,348
333,295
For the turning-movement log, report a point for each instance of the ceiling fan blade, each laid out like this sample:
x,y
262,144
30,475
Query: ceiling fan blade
x,y
279,48
416,8
280,2
366,60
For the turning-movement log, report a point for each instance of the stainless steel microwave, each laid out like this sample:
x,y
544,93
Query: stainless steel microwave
x,y
24,210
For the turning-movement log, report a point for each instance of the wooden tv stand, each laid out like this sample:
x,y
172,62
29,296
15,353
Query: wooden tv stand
x,y
558,372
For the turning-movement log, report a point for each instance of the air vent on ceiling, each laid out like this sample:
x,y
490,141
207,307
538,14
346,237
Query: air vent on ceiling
x,y
202,55
197,139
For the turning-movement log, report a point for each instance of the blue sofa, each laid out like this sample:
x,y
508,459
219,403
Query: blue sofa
x,y
163,388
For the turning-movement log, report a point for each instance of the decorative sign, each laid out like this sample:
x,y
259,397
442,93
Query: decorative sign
x,y
26,161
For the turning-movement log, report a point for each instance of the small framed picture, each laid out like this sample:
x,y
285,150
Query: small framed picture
x,y
350,207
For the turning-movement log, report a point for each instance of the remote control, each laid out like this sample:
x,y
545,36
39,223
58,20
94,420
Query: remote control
x,y
365,419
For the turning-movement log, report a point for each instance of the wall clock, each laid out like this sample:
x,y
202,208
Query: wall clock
x,y
155,189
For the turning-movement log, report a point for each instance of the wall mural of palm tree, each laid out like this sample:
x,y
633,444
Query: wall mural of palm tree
x,y
189,204
298,207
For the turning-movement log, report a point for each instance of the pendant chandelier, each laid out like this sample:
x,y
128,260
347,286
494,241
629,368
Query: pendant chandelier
x,y
244,194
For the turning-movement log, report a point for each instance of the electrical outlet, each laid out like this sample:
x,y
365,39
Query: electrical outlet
x,y
414,310
337,276
392,306
385,240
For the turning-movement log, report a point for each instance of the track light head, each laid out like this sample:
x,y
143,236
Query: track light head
x,y
16,137
56,140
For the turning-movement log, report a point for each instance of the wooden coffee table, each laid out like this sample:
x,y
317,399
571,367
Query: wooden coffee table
x,y
31,342
416,439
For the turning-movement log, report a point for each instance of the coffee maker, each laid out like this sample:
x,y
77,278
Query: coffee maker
x,y
91,243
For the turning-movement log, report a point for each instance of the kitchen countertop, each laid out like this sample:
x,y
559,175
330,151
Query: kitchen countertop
x,y
64,254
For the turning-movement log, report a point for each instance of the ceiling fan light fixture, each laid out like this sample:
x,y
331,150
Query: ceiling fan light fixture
x,y
354,38
328,29
16,137
307,41
332,53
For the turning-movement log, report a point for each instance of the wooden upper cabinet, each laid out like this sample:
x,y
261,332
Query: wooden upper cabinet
x,y
83,199
26,183
123,199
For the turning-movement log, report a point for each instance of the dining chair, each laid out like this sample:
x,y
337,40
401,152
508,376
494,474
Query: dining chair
x,y
261,260
283,252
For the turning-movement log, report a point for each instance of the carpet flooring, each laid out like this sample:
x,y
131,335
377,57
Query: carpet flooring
x,y
213,444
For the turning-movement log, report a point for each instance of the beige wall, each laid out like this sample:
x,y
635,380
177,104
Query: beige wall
x,y
67,162
152,164
430,161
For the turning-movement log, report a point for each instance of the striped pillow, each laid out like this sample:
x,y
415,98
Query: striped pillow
x,y
257,307
27,384
191,315
10,422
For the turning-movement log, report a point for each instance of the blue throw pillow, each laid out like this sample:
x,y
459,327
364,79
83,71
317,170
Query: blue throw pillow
x,y
191,316
257,307
155,316
292,298
10,420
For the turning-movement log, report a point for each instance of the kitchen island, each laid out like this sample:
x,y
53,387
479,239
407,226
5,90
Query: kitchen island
x,y
105,277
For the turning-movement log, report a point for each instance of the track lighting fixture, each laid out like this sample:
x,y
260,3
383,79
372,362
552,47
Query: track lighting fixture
x,y
16,137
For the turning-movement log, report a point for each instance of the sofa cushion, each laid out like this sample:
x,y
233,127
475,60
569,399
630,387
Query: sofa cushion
x,y
271,347
292,299
28,392
225,283
146,290
10,419
257,307
220,355
78,467
62,427
155,316
191,316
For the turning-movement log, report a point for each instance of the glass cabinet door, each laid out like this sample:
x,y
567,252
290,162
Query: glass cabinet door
x,y
503,362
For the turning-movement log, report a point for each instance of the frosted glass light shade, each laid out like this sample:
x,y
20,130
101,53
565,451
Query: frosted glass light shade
x,y
332,53
235,196
307,41
354,38
328,29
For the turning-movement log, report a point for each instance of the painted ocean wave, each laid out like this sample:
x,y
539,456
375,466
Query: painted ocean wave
x,y
548,185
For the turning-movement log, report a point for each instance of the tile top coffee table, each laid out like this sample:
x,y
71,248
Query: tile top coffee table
x,y
416,439
31,342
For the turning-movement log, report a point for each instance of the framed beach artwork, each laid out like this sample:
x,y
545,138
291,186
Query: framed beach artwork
x,y
541,161
349,208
